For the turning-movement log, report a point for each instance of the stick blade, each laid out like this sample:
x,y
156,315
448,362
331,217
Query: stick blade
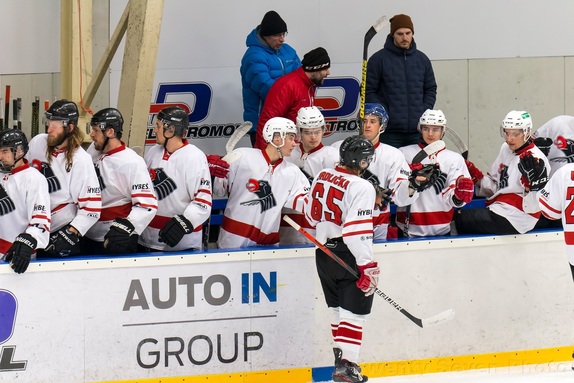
x,y
439,318
231,157
237,135
428,150
380,23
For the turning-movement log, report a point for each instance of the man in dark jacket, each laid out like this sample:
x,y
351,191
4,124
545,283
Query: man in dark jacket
x,y
267,58
402,79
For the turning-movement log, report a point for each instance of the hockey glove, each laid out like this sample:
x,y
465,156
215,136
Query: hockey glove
x,y
20,252
475,173
423,176
121,238
369,278
174,230
463,190
533,170
63,243
217,166
384,196
544,144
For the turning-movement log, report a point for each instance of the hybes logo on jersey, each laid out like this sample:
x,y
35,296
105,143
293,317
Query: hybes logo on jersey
x,y
8,309
337,98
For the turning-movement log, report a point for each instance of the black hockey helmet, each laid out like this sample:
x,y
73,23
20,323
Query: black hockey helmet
x,y
108,118
176,117
356,153
63,110
14,139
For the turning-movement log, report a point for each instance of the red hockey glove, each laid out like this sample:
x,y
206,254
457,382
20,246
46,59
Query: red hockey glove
x,y
217,166
475,172
369,278
464,189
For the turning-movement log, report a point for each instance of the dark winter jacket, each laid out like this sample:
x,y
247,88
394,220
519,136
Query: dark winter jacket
x,y
287,95
403,81
260,67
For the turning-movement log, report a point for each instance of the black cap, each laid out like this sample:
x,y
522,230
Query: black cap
x,y
316,60
272,24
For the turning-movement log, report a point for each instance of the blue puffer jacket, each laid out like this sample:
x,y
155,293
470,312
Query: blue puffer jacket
x,y
260,67
403,81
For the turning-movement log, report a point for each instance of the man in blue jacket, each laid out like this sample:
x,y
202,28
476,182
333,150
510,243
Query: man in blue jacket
x,y
402,79
267,58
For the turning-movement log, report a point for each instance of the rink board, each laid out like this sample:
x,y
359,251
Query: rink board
x,y
259,315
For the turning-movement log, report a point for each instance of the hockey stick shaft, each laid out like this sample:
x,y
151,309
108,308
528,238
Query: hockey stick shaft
x,y
444,316
373,30
7,108
458,142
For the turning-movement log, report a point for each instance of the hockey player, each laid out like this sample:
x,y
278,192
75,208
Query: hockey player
x,y
508,180
432,212
74,189
128,201
555,202
182,183
311,156
340,205
556,140
389,171
259,184
25,203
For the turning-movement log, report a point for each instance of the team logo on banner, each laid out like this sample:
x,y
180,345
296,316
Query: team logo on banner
x,y
9,307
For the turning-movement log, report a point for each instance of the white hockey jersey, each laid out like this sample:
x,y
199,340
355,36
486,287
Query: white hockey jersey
x,y
504,191
431,213
556,201
310,163
127,190
561,130
24,207
257,192
392,171
182,185
340,204
75,195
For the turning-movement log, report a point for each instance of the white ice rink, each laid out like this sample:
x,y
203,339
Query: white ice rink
x,y
546,373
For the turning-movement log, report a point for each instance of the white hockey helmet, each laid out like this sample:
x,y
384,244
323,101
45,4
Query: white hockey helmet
x,y
310,117
517,119
434,118
278,125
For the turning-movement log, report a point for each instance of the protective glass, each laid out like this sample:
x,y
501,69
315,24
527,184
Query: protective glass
x,y
47,122
168,130
510,132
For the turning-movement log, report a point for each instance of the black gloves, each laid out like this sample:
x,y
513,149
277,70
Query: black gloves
x,y
533,170
121,238
63,243
174,230
429,172
20,252
544,144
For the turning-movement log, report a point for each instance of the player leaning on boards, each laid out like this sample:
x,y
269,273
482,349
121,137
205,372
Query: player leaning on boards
x,y
75,197
182,183
519,168
128,201
340,206
389,172
259,183
24,206
432,213
311,156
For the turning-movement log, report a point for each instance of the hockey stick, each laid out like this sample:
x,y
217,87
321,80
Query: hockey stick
x,y
379,24
428,151
35,122
7,108
17,112
239,132
458,142
437,319
1,114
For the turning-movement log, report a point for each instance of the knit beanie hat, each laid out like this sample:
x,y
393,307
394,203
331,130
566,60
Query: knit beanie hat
x,y
316,60
272,24
401,21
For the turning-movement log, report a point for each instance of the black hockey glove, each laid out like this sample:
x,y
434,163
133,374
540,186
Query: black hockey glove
x,y
121,238
383,197
63,243
423,176
533,170
544,144
174,230
20,252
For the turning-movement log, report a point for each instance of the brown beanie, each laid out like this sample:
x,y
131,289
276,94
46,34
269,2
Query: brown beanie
x,y
401,21
272,24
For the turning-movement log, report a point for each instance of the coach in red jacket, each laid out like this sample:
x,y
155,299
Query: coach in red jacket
x,y
294,90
